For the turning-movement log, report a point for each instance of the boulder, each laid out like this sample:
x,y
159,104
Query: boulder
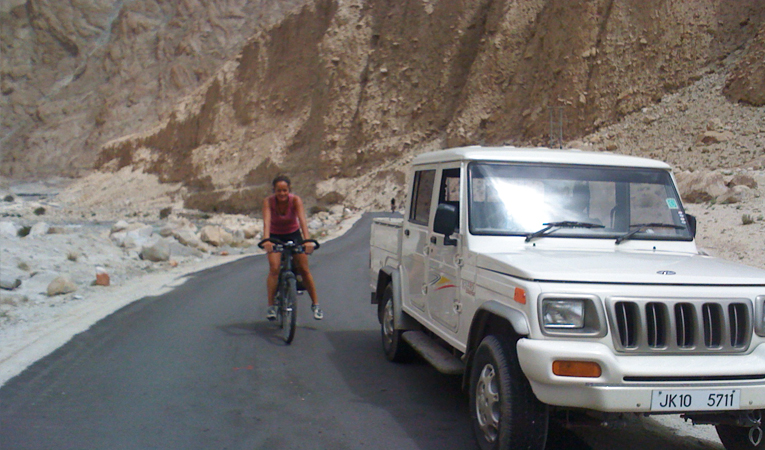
x,y
9,229
166,231
121,225
157,251
189,238
215,235
736,194
61,285
138,237
39,229
698,187
227,237
9,283
251,230
118,238
743,179
179,250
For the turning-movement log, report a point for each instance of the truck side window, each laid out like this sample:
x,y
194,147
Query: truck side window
x,y
422,190
449,191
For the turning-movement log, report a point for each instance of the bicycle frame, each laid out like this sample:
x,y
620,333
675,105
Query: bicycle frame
x,y
286,291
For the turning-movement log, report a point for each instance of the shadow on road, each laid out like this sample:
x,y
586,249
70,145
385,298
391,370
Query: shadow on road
x,y
429,406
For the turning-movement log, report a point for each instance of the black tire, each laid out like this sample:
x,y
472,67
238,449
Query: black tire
x,y
737,438
503,408
289,310
395,348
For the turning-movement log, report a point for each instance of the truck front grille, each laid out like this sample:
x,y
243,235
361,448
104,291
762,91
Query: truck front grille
x,y
681,326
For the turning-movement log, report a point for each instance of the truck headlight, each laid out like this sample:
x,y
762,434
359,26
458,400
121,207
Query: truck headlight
x,y
563,313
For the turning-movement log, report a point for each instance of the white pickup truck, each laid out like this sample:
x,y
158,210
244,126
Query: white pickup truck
x,y
566,280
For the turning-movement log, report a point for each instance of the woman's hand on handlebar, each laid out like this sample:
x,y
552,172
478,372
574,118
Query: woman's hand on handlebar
x,y
310,245
267,245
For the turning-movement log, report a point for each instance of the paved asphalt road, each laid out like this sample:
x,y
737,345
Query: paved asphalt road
x,y
200,368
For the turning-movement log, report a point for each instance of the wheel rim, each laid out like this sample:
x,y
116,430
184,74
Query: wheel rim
x,y
388,324
487,404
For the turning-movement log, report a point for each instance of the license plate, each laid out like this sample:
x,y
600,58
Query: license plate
x,y
695,400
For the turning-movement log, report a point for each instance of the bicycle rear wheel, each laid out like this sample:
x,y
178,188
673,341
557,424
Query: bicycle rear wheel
x,y
289,310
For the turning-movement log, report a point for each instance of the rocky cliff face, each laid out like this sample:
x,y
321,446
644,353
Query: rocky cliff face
x,y
75,75
337,93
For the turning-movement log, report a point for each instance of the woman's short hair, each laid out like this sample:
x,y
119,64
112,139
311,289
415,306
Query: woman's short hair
x,y
279,178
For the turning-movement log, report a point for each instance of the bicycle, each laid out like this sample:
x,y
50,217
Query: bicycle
x,y
287,289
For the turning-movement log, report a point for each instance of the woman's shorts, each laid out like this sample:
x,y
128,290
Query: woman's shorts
x,y
294,237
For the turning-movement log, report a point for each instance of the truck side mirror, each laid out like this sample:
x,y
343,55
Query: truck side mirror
x,y
691,223
446,222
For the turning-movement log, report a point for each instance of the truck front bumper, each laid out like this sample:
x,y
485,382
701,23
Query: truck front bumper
x,y
627,382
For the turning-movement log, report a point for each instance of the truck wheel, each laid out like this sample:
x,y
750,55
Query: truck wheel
x,y
395,348
504,410
737,438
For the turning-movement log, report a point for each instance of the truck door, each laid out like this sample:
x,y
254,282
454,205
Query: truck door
x,y
414,244
444,267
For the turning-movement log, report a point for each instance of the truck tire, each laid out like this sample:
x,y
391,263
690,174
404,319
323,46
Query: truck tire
x,y
504,410
737,438
395,348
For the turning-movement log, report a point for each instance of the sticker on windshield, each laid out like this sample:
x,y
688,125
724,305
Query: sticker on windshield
x,y
672,203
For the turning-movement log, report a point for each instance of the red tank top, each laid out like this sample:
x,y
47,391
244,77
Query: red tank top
x,y
284,223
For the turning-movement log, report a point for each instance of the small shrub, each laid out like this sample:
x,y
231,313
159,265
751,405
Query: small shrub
x,y
747,219
8,198
165,212
24,266
39,211
72,256
24,231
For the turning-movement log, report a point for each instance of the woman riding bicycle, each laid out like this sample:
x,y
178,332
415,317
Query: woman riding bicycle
x,y
284,219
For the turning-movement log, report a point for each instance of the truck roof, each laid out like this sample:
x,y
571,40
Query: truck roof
x,y
537,155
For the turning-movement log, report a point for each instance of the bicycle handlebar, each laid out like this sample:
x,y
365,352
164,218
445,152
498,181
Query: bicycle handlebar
x,y
294,245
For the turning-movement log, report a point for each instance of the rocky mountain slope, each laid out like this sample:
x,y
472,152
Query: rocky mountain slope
x,y
340,93
74,75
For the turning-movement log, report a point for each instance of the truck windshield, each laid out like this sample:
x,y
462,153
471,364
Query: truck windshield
x,y
521,199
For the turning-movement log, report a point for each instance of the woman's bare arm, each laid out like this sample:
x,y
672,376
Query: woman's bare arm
x,y
303,223
267,225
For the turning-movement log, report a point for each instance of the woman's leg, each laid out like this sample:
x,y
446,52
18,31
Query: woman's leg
x,y
274,263
301,264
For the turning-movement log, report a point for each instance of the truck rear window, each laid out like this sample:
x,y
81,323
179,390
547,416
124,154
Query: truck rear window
x,y
422,195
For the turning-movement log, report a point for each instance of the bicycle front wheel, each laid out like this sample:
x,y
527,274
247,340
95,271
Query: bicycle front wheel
x,y
289,310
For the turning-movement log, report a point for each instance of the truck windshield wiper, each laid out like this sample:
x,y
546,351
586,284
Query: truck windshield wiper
x,y
565,224
641,227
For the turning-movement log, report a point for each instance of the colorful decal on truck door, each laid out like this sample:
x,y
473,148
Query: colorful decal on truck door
x,y
441,282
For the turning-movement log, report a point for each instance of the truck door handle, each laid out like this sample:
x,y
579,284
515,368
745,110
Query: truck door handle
x,y
406,232
432,239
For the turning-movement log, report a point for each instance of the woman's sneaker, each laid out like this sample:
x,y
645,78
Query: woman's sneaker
x,y
318,314
271,313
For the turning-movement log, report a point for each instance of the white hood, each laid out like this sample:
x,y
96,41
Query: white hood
x,y
621,267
